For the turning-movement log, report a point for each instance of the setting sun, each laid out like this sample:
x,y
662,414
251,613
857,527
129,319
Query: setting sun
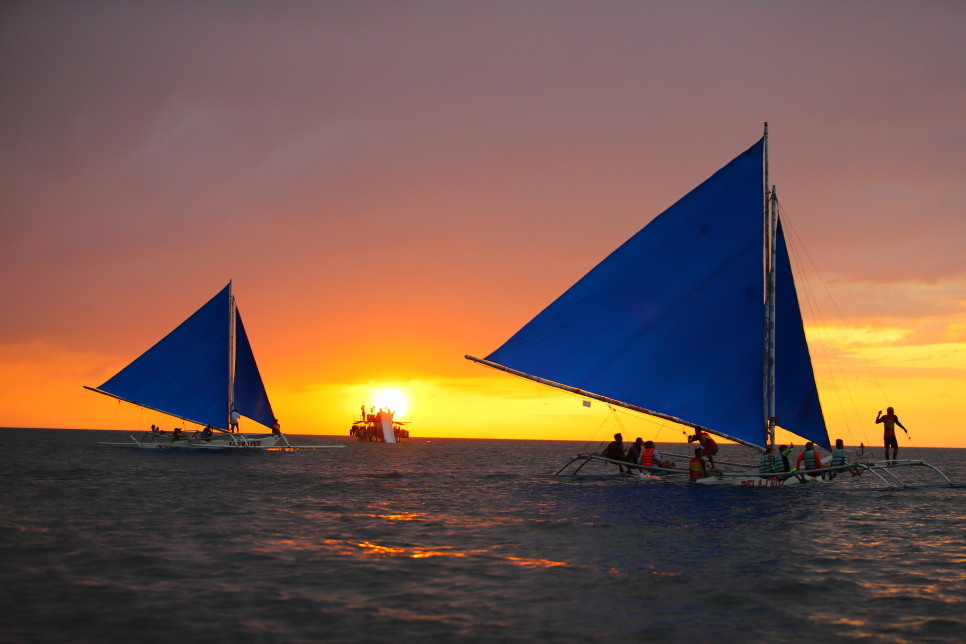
x,y
391,399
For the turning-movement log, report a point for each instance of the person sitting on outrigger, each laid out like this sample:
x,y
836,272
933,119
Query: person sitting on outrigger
x,y
177,435
615,451
809,460
696,466
839,459
767,463
707,444
206,432
889,422
634,451
652,458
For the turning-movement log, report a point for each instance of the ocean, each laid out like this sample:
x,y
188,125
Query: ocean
x,y
447,540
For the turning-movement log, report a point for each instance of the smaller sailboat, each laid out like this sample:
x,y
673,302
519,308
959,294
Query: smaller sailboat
x,y
694,320
201,373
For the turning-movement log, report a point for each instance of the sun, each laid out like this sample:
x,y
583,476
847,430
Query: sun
x,y
391,399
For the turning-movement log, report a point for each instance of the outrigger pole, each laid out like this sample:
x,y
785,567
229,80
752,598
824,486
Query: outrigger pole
x,y
610,401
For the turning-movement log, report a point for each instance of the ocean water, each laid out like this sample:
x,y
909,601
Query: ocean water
x,y
448,540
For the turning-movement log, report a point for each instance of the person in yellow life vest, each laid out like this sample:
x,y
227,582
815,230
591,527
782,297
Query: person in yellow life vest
x,y
276,428
696,466
889,422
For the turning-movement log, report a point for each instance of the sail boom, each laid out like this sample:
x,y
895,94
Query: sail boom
x,y
160,411
609,401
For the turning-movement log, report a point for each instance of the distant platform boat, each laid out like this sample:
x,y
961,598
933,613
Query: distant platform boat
x,y
200,373
380,427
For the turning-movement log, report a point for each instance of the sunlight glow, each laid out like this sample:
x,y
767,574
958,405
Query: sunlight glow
x,y
391,399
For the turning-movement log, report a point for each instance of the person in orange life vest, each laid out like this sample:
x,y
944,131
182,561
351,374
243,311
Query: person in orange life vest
x,y
889,422
652,457
707,443
696,466
276,428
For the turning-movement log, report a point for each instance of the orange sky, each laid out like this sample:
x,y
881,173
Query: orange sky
x,y
393,186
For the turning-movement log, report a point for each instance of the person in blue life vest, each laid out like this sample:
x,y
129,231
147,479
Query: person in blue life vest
x,y
889,422
839,459
708,445
696,466
767,463
809,460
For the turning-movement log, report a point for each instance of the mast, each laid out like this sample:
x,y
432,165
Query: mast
x,y
767,264
772,420
231,351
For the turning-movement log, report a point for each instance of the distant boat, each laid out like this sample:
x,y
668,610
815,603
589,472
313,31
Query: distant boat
x,y
695,320
380,427
200,373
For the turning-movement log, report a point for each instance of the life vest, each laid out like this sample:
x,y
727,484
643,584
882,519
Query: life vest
x,y
889,424
839,458
695,465
766,465
647,456
810,460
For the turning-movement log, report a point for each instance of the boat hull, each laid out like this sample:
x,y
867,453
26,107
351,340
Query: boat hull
x,y
230,441
758,481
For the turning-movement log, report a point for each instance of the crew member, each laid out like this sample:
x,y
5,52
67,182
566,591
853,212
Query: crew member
x,y
696,466
206,432
707,444
233,420
276,428
177,435
889,422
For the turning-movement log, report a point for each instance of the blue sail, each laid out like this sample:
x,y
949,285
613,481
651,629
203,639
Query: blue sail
x,y
796,397
186,373
672,320
251,400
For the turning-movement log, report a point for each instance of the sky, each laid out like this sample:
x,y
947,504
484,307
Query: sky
x,y
392,185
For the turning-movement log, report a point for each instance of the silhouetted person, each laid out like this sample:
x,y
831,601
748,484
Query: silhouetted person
x,y
889,422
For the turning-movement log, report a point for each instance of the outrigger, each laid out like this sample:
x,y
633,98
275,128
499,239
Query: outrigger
x,y
200,373
694,320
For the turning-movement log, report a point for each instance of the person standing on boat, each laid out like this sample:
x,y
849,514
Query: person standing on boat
x,y
889,422
696,466
708,444
233,418
615,451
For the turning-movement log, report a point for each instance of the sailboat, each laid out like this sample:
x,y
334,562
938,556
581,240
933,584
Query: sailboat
x,y
694,320
200,373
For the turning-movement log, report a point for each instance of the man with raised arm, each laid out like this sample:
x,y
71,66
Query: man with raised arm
x,y
889,422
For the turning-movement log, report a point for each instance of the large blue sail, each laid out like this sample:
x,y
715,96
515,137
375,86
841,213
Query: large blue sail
x,y
796,396
186,373
672,320
251,400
